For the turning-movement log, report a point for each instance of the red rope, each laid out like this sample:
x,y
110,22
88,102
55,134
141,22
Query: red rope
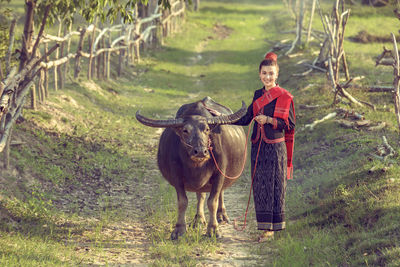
x,y
251,187
244,156
234,177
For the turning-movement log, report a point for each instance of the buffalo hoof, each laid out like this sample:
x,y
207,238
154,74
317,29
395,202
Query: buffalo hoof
x,y
213,231
198,220
222,218
179,231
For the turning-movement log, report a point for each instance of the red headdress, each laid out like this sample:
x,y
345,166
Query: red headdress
x,y
271,56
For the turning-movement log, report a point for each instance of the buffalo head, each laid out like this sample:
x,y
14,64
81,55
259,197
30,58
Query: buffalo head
x,y
194,129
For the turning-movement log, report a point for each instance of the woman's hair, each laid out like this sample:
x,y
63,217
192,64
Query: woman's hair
x,y
269,60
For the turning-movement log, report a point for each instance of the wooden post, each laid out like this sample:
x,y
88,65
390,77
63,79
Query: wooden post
x,y
89,71
104,65
92,64
57,68
108,57
40,97
46,73
396,81
99,59
121,55
127,39
345,66
33,97
66,65
41,88
78,53
61,74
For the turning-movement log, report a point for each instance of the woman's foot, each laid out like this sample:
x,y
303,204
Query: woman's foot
x,y
266,236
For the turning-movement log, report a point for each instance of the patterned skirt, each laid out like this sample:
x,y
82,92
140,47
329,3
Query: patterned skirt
x,y
269,185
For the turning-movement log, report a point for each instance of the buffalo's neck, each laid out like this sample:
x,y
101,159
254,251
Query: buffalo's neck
x,y
197,178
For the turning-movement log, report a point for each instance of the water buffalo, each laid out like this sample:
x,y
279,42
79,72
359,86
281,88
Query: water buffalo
x,y
185,162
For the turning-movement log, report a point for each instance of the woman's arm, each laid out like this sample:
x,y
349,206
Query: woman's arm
x,y
278,123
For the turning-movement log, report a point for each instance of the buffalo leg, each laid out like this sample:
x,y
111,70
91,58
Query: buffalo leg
x,y
180,227
222,217
200,218
212,203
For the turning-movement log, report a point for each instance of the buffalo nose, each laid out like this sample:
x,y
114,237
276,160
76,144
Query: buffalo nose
x,y
200,152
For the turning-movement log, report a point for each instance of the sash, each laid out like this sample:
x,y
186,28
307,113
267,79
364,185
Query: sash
x,y
282,107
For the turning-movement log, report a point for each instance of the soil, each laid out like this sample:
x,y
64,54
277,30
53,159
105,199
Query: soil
x,y
365,37
236,245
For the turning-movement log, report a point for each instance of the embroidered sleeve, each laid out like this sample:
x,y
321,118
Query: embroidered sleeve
x,y
282,125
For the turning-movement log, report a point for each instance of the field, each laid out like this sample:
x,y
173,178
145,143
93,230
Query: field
x,y
84,187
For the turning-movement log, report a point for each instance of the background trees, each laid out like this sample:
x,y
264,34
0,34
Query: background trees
x,y
31,60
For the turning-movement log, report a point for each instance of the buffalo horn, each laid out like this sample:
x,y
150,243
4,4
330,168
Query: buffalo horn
x,y
228,119
159,123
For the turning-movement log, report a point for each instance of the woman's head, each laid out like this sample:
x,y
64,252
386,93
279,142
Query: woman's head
x,y
269,70
270,59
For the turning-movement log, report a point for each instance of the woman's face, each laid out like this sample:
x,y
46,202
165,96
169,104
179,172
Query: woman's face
x,y
268,76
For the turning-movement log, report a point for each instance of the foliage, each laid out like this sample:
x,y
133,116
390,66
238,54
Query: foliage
x,y
4,34
105,10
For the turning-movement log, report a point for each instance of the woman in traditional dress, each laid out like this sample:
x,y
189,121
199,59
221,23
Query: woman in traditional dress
x,y
272,147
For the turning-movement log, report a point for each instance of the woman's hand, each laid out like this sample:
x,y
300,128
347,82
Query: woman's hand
x,y
262,119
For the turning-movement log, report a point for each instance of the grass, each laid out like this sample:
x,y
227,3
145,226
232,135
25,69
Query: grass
x,y
89,167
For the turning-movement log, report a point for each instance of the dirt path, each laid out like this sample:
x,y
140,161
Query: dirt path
x,y
235,246
125,243
101,237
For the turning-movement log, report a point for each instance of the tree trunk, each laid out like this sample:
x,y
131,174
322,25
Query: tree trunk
x,y
10,46
25,55
28,32
311,20
196,5
299,29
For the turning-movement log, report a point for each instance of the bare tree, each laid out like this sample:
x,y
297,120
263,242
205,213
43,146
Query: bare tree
x,y
299,27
